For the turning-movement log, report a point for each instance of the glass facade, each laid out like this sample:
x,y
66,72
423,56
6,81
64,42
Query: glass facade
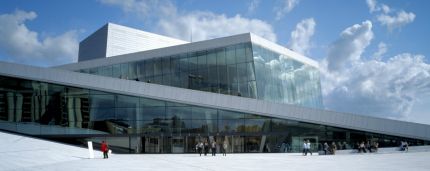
x,y
282,79
141,125
226,70
245,69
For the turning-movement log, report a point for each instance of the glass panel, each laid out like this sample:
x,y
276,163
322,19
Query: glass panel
x,y
132,71
116,71
152,113
242,72
182,112
211,58
231,55
166,79
149,68
192,61
248,51
201,59
204,113
127,102
175,64
184,65
240,53
141,71
126,113
158,67
166,65
102,101
124,71
220,58
151,102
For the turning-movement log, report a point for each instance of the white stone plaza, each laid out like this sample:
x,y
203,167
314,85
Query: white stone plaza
x,y
23,153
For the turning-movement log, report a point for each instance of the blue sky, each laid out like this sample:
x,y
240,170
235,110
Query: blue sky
x,y
373,54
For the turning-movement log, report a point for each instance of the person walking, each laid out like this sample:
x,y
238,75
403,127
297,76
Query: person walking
x,y
308,147
224,148
206,147
333,148
304,147
200,147
326,147
213,148
105,149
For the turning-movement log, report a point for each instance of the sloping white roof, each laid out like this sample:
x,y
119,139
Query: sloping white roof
x,y
220,101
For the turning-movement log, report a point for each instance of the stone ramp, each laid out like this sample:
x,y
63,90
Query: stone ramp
x,y
21,152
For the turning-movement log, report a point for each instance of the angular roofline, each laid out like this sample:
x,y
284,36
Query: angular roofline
x,y
220,101
189,47
282,50
166,51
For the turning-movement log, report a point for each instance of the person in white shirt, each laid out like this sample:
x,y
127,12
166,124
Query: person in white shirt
x,y
308,147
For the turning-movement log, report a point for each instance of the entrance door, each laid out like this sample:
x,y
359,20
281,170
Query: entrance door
x,y
151,144
177,145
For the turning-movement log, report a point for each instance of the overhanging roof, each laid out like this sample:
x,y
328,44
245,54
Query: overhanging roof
x,y
220,101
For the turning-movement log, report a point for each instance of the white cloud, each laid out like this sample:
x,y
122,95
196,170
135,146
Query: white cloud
x,y
382,49
372,87
389,17
24,46
393,22
253,5
285,7
372,5
300,37
349,47
207,25
143,8
385,8
203,25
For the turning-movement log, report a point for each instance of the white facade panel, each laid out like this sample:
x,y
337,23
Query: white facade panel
x,y
123,40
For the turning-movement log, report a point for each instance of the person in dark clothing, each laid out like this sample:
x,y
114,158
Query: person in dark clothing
x,y
206,148
105,149
326,148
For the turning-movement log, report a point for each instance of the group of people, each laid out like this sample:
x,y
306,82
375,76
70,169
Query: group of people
x,y
404,146
330,149
368,147
306,147
203,147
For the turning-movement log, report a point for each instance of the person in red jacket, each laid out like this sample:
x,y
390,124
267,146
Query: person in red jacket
x,y
104,149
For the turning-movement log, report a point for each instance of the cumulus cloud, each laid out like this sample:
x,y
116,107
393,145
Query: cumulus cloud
x,y
25,46
371,86
397,21
207,25
300,37
372,5
200,25
349,47
382,49
145,9
392,19
285,7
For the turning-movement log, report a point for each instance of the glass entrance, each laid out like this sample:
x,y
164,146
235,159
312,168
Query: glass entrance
x,y
177,144
152,145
